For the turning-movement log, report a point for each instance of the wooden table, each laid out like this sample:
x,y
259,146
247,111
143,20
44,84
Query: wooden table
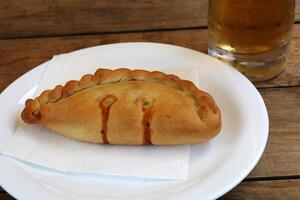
x,y
31,32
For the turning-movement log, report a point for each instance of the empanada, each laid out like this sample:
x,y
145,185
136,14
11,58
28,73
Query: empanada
x,y
127,107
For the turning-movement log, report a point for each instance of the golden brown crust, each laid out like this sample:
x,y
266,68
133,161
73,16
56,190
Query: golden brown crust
x,y
208,112
105,76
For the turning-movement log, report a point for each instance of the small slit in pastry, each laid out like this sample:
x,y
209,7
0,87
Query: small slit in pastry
x,y
105,106
147,107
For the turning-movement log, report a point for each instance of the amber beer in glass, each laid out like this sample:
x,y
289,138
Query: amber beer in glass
x,y
251,35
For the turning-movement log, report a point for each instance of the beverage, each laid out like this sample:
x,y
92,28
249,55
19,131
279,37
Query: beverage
x,y
252,35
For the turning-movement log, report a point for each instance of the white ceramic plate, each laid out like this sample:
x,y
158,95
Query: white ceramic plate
x,y
215,167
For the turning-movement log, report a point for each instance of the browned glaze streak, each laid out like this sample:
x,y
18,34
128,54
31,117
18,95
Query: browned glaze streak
x,y
148,112
105,105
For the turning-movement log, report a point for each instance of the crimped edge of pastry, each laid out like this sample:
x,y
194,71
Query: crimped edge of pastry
x,y
207,109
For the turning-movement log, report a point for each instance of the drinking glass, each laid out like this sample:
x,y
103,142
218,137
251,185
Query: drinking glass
x,y
251,35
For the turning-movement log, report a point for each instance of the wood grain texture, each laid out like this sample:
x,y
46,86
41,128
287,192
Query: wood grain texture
x,y
265,190
17,56
22,55
282,155
21,18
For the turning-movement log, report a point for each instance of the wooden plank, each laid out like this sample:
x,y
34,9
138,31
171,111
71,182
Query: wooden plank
x,y
20,55
297,11
21,18
60,17
17,56
265,190
282,155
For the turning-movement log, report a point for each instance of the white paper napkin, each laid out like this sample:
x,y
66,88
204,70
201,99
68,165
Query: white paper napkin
x,y
41,146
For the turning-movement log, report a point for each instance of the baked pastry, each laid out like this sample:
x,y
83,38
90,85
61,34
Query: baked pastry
x,y
128,107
